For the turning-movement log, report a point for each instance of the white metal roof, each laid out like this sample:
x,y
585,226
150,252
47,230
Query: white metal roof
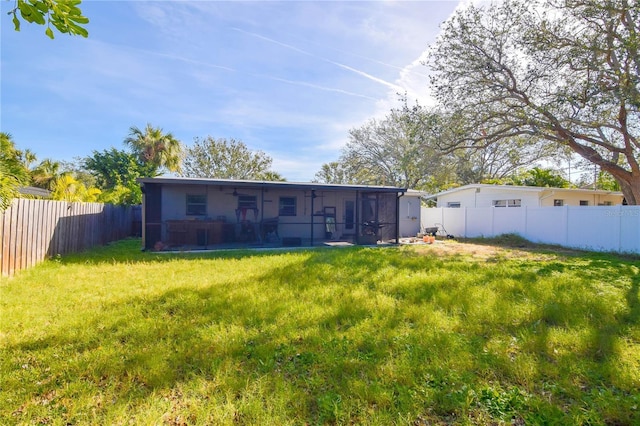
x,y
522,189
268,184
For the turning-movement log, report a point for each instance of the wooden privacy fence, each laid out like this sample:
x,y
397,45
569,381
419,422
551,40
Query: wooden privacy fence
x,y
33,230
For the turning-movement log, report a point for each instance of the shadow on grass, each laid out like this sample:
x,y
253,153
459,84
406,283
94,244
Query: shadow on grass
x,y
333,337
633,300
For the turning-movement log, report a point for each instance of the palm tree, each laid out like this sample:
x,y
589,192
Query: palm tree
x,y
45,174
68,188
26,157
154,147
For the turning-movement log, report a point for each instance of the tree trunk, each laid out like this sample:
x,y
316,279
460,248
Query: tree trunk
x,y
630,189
629,182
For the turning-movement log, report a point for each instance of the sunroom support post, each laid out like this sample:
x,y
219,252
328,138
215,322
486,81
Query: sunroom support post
x,y
398,195
313,196
261,214
358,219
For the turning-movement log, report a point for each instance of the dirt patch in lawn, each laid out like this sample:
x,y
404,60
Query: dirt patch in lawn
x,y
491,251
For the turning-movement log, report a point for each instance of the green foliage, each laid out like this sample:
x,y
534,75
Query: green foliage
x,y
67,188
116,172
606,182
113,167
16,171
77,170
155,149
334,172
541,177
351,336
45,174
226,159
121,194
64,15
13,173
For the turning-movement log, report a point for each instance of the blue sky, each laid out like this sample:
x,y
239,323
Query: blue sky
x,y
287,78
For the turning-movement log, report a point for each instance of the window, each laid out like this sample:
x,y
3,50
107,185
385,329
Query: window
x,y
453,204
558,203
287,206
247,202
584,202
196,205
507,203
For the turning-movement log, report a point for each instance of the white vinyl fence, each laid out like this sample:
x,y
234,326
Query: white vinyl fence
x,y
601,228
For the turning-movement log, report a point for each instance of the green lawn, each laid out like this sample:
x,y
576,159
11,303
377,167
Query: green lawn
x,y
408,335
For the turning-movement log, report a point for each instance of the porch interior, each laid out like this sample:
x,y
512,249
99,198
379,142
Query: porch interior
x,y
196,234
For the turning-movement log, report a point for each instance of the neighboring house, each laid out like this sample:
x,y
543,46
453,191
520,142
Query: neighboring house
x,y
481,195
34,191
184,213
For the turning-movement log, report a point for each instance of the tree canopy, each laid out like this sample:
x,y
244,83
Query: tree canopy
x,y
226,159
414,147
390,152
541,177
566,72
335,172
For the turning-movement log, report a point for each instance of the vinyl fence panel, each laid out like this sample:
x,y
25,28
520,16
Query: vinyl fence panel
x,y
546,225
596,228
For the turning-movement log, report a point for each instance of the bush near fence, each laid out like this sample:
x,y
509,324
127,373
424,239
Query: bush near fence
x,y
34,230
594,228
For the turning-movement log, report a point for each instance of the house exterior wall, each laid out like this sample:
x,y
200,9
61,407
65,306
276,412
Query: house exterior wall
x,y
409,215
570,198
485,196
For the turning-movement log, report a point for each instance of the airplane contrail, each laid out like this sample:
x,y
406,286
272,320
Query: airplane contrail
x,y
338,64
222,67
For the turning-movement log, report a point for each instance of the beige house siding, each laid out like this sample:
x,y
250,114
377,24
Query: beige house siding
x,y
512,196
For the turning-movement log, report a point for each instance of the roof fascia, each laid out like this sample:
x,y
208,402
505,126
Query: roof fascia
x,y
270,184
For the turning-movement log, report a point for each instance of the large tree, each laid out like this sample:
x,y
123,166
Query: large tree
x,y
154,147
565,71
395,151
226,159
336,172
413,147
